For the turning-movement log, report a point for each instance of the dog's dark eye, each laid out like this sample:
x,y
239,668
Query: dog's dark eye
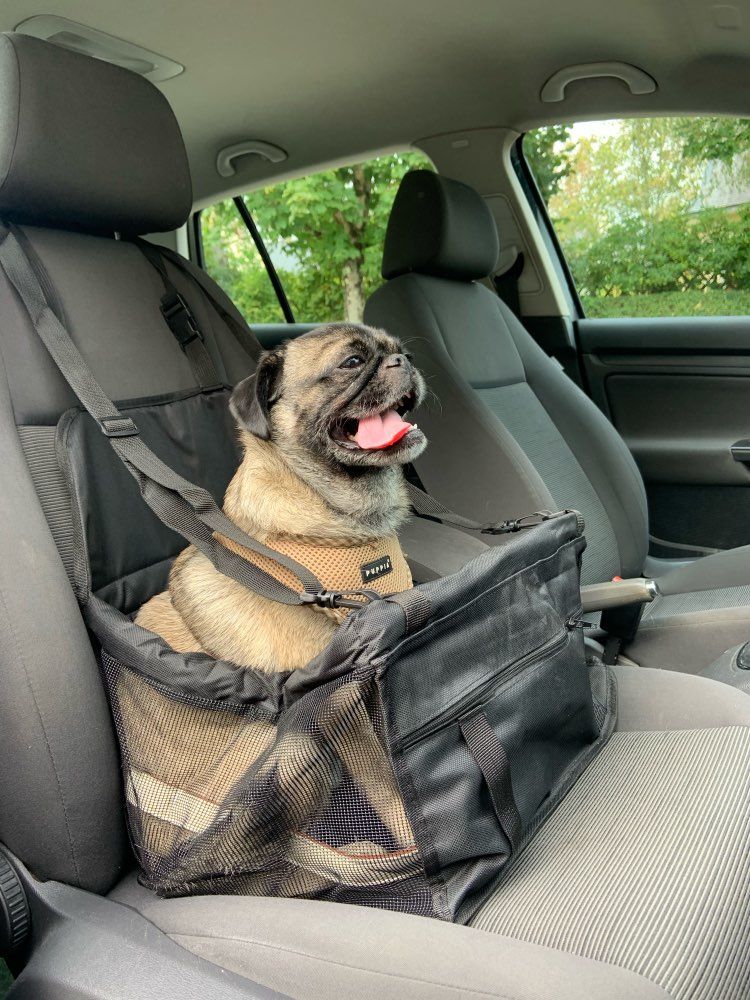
x,y
353,361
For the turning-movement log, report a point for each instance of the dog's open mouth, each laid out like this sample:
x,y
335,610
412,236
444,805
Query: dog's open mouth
x,y
375,431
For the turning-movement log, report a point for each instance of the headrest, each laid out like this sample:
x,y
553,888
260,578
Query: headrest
x,y
86,145
439,227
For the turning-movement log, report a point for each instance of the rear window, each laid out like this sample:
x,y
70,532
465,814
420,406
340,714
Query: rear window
x,y
652,214
324,234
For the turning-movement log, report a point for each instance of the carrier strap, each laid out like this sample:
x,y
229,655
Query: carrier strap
x,y
427,506
181,505
178,315
181,320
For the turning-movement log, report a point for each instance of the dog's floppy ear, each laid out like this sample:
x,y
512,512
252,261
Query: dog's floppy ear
x,y
252,398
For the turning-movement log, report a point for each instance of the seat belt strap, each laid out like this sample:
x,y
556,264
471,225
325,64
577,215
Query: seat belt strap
x,y
186,508
506,284
181,320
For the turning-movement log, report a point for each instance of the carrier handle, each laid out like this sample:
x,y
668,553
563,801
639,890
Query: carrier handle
x,y
188,509
491,759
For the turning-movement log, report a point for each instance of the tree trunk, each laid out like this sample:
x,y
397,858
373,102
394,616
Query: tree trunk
x,y
354,299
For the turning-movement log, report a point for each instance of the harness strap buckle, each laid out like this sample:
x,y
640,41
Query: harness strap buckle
x,y
333,599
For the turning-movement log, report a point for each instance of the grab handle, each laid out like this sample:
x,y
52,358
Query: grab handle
x,y
636,80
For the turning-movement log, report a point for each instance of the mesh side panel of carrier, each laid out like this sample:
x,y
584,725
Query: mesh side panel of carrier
x,y
229,800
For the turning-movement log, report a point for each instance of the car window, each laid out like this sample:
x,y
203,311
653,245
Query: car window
x,y
324,234
653,215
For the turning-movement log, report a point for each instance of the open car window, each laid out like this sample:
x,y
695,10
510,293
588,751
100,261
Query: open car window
x,y
652,214
324,234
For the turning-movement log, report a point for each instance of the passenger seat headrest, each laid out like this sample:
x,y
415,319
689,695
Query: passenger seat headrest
x,y
441,228
86,145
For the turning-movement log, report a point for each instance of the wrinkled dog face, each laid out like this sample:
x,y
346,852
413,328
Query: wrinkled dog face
x,y
339,393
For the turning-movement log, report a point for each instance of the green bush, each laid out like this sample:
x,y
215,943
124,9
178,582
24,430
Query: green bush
x,y
707,250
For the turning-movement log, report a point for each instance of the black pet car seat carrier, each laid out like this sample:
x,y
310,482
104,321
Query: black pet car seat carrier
x,y
407,764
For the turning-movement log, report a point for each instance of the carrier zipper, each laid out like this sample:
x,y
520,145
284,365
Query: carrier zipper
x,y
468,702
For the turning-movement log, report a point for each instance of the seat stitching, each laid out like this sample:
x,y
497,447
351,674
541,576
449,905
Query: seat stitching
x,y
47,743
343,965
394,975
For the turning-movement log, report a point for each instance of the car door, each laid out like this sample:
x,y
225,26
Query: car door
x,y
653,220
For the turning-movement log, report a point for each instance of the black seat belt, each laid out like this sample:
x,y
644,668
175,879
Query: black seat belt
x,y
427,506
506,284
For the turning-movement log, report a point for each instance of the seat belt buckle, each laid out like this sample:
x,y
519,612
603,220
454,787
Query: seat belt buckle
x,y
180,319
118,427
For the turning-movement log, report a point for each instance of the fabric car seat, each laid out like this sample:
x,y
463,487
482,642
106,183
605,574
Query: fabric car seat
x,y
512,432
91,155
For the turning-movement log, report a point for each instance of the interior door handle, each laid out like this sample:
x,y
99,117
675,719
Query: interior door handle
x,y
741,450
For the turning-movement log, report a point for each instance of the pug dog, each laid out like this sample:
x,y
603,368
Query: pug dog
x,y
324,438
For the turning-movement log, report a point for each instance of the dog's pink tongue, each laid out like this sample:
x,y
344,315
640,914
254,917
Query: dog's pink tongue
x,y
381,430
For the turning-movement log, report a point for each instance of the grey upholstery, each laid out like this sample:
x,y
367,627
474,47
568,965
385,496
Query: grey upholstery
x,y
658,700
509,431
55,108
648,817
58,763
60,792
312,950
500,441
732,667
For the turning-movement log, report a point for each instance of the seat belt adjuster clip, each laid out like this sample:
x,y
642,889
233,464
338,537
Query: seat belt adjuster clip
x,y
118,426
180,319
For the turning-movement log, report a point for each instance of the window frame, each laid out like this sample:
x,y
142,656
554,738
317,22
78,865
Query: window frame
x,y
249,223
534,198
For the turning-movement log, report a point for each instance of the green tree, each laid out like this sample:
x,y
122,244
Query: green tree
x,y
631,215
714,138
332,225
635,170
325,233
232,260
547,151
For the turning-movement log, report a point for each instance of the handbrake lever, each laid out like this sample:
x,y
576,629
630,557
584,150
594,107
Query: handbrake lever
x,y
617,593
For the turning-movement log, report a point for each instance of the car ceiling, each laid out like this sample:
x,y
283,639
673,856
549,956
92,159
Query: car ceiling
x,y
330,81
